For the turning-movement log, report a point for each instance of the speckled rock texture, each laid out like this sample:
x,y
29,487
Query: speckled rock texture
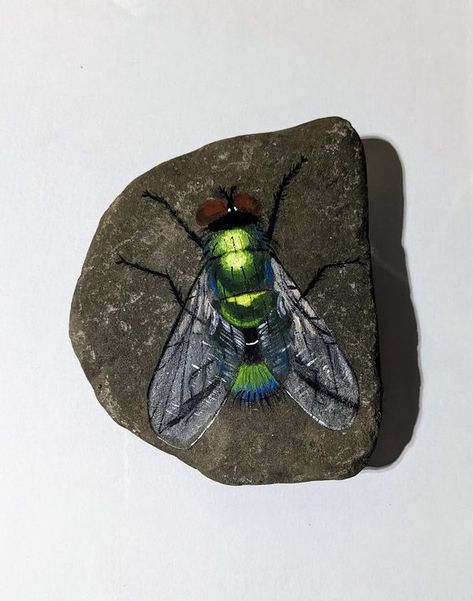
x,y
121,317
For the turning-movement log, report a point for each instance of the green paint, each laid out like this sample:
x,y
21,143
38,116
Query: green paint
x,y
246,314
252,377
234,240
240,267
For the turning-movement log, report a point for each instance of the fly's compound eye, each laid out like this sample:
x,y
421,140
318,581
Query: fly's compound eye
x,y
247,204
210,211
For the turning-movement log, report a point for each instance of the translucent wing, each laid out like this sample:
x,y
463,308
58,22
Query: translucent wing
x,y
321,380
187,389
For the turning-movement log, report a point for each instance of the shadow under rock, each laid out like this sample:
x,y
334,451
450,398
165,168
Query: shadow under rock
x,y
398,336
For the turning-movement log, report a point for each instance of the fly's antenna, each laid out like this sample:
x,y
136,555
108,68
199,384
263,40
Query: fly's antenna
x,y
228,195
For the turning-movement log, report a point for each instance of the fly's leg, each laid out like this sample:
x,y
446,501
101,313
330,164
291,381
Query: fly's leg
x,y
321,270
160,274
280,193
177,218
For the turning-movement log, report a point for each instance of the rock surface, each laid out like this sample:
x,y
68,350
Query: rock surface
x,y
121,317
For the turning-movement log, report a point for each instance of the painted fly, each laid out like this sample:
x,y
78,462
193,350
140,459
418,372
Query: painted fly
x,y
245,329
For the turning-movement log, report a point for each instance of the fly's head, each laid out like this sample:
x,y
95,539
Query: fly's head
x,y
229,211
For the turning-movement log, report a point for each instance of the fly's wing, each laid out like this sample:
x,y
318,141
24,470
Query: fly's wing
x,y
187,390
321,380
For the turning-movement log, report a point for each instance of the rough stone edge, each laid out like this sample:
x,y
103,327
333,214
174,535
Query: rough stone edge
x,y
362,461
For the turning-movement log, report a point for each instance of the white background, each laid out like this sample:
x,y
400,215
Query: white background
x,y
93,93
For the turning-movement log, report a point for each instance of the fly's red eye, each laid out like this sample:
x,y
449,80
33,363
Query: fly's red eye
x,y
210,211
247,204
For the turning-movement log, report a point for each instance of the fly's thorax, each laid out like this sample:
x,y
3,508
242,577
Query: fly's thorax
x,y
239,271
247,237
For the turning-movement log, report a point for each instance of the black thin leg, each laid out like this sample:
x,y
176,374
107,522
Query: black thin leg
x,y
164,203
165,275
280,193
321,270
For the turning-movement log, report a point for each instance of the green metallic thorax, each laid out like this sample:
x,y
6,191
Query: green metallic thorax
x,y
240,275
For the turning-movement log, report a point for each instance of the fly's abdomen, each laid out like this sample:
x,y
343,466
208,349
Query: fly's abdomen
x,y
240,274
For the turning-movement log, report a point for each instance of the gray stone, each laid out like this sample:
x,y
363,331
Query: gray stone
x,y
121,317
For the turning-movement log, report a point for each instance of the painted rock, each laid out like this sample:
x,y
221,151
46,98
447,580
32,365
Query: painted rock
x,y
225,309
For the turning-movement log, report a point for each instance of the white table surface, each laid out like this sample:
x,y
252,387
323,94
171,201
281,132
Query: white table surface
x,y
95,93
